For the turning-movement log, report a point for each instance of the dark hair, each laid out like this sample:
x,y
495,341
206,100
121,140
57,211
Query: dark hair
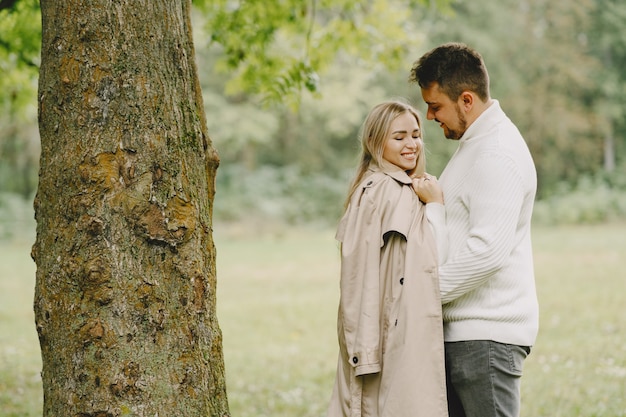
x,y
455,67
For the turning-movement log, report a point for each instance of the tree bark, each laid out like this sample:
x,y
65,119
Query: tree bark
x,y
125,290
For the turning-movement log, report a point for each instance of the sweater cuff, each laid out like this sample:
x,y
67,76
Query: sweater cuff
x,y
436,213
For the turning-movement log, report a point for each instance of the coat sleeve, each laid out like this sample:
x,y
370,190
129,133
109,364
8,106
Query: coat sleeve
x,y
370,214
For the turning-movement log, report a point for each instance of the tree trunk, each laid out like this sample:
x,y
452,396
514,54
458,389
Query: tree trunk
x,y
125,289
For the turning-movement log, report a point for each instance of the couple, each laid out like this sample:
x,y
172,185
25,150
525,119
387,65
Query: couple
x,y
438,308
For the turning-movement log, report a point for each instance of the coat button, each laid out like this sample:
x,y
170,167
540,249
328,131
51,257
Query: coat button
x,y
355,360
401,281
370,182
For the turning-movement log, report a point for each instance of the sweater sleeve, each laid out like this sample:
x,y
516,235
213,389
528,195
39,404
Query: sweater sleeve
x,y
492,194
436,215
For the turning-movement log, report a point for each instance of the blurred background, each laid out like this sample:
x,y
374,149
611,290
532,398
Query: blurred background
x,y
287,84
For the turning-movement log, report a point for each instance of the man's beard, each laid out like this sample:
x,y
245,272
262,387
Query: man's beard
x,y
457,133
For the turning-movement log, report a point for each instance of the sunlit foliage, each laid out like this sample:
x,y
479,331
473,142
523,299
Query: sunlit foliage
x,y
286,85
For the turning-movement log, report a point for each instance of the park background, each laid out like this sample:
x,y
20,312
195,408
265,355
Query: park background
x,y
285,95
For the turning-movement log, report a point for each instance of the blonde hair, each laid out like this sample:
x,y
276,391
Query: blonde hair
x,y
373,136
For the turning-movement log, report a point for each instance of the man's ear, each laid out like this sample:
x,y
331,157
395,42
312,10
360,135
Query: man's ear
x,y
467,100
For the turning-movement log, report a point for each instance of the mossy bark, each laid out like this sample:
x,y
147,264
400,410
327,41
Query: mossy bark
x,y
125,303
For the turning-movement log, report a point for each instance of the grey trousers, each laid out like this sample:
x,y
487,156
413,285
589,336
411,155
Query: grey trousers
x,y
484,378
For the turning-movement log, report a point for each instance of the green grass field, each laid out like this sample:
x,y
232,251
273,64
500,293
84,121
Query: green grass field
x,y
277,301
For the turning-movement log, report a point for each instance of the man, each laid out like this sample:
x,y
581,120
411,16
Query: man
x,y
487,284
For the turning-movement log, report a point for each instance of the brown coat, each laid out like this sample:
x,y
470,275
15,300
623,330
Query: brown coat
x,y
391,361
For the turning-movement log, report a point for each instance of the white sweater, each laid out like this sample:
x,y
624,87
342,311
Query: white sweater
x,y
486,275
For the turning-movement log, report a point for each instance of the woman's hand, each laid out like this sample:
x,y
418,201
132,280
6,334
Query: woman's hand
x,y
428,189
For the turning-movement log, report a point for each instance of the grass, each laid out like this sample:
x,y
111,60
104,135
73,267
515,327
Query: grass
x,y
579,365
20,362
277,301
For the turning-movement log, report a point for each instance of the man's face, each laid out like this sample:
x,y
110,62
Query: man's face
x,y
448,113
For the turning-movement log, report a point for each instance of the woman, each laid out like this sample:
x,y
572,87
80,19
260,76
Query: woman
x,y
389,325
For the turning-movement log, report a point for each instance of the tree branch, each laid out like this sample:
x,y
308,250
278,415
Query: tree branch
x,y
7,4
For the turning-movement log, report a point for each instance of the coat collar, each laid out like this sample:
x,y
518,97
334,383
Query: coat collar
x,y
393,171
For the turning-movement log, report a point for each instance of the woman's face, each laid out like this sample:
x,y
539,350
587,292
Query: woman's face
x,y
403,142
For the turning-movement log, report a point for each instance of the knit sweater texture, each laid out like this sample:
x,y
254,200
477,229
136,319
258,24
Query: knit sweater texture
x,y
486,271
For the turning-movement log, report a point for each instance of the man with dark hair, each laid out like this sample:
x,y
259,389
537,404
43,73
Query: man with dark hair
x,y
487,283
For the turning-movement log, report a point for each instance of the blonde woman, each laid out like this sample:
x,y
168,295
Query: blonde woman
x,y
391,360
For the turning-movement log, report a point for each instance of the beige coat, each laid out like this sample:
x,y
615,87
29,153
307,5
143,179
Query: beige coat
x,y
391,360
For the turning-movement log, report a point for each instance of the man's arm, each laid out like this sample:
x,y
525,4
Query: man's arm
x,y
493,193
